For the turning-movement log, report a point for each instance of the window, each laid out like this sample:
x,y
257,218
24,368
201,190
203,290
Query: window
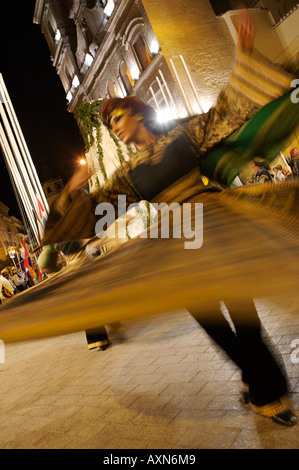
x,y
109,8
88,59
69,97
75,82
126,77
111,90
142,52
51,30
57,36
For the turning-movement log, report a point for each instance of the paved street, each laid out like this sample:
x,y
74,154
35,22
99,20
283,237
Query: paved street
x,y
165,387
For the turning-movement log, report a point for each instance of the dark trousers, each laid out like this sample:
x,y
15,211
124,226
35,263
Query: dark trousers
x,y
247,349
97,337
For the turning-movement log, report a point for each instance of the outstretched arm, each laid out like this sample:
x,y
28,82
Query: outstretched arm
x,y
246,32
254,82
72,217
254,79
78,180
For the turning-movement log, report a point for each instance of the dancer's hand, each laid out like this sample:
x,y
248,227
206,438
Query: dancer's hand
x,y
246,33
78,180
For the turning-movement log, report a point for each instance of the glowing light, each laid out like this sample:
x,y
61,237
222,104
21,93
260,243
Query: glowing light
x,y
69,97
154,47
82,161
183,113
165,114
75,81
206,103
109,8
57,35
88,59
135,72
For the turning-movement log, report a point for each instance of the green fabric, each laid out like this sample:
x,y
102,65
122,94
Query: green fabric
x,y
49,259
263,137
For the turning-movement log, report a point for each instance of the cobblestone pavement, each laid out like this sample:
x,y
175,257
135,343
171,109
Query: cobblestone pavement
x,y
166,386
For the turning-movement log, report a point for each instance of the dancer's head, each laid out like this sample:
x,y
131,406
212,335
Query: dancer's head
x,y
114,109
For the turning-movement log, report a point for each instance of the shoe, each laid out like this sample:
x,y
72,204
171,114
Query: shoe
x,y
279,411
286,418
102,345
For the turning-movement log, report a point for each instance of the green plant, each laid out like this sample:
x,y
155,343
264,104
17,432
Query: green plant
x,y
90,121
89,115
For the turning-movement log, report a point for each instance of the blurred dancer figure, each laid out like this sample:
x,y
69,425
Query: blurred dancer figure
x,y
169,166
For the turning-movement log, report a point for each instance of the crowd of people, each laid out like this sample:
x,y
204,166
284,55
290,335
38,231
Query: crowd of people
x,y
262,173
13,281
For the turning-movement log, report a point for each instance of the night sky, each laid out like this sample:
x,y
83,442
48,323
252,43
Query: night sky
x,y
38,97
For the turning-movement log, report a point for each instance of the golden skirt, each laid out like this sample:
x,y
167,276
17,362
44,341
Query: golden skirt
x,y
250,249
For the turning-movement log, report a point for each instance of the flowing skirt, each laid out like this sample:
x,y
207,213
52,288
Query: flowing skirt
x,y
246,245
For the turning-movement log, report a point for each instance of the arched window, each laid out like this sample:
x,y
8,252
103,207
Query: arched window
x,y
142,52
126,77
51,29
111,90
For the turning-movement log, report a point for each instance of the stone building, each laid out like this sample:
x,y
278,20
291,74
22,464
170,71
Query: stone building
x,y
52,188
104,49
174,55
11,231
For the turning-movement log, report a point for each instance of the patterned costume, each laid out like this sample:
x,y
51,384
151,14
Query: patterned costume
x,y
241,227
171,168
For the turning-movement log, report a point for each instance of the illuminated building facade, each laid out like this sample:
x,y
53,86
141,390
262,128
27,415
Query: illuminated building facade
x,y
174,55
11,232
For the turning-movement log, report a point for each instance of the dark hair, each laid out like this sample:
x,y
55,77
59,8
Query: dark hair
x,y
261,164
136,106
258,163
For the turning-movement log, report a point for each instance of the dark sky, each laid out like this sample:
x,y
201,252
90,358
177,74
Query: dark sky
x,y
38,98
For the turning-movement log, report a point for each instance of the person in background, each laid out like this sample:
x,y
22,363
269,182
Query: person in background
x,y
19,280
6,289
260,173
279,176
293,161
7,276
